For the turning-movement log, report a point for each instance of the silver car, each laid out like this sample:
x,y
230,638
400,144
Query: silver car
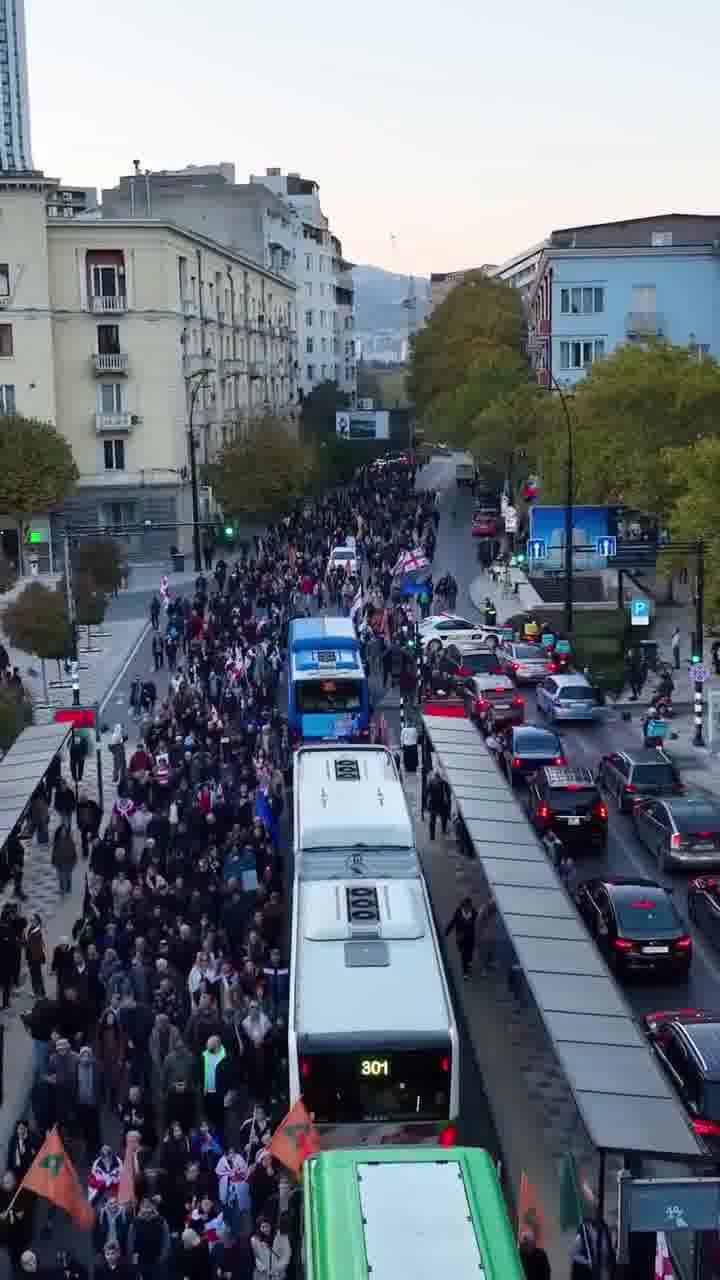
x,y
566,697
524,663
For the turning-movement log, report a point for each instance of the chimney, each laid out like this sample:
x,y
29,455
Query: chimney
x,y
273,173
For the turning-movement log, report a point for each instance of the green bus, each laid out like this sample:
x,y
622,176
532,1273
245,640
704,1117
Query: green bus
x,y
381,1213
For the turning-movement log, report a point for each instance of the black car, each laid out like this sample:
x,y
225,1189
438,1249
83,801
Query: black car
x,y
526,748
629,775
681,831
687,1045
567,802
704,906
636,925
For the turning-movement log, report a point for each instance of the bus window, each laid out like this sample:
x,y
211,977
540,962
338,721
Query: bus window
x,y
390,1084
317,697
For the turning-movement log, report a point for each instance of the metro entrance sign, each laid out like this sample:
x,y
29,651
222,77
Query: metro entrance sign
x,y
665,1204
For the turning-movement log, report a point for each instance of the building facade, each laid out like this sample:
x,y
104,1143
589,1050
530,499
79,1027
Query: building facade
x,y
325,291
602,286
112,328
15,148
443,282
521,270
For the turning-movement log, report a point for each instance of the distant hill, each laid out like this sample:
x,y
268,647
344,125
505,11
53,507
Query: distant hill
x,y
379,296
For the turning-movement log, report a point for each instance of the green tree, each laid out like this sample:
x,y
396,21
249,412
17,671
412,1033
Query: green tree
x,y
37,470
507,432
317,416
16,713
99,559
37,621
629,409
695,514
8,575
452,415
90,602
474,335
263,472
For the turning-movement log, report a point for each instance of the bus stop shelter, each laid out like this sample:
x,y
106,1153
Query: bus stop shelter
x,y
624,1100
23,768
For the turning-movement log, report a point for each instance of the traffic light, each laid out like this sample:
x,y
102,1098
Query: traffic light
x,y
229,532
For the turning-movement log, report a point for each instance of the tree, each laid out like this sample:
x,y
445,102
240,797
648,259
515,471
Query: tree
x,y
629,409
37,470
264,472
695,514
99,559
452,415
16,713
90,603
317,416
474,334
8,574
37,622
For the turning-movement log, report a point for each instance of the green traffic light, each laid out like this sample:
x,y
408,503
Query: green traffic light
x,y
229,531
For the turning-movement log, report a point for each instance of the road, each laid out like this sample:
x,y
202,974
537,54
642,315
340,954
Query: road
x,y
584,745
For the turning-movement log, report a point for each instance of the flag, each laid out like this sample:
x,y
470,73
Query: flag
x,y
357,604
572,1211
295,1138
410,562
663,1261
265,813
530,1212
52,1175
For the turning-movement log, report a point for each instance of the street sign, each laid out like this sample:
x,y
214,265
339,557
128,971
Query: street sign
x,y
78,717
606,546
511,519
537,549
665,1204
698,674
640,613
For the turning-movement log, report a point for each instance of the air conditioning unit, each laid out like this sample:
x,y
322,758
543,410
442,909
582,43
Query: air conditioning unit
x,y
135,419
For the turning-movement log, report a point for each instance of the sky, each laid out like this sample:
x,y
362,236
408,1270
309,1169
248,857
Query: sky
x,y
444,134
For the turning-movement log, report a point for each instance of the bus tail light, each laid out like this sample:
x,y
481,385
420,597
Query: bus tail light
x,y
304,1068
445,1065
676,840
448,1137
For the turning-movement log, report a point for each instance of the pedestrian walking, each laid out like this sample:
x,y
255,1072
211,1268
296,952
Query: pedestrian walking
x,y
535,1262
35,954
463,925
675,646
64,858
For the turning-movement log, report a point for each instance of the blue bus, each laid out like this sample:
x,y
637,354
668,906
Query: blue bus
x,y
327,683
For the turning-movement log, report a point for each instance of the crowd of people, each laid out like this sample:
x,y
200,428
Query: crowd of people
x,y
159,1028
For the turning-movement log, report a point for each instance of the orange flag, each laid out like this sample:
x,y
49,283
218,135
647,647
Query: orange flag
x,y
52,1175
530,1212
295,1138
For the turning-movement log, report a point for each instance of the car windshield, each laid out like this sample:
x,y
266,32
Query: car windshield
x,y
537,740
696,820
653,775
479,663
645,911
575,693
454,624
528,651
574,799
344,555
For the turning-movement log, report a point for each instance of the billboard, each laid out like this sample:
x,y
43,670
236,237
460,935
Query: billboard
x,y
589,523
363,424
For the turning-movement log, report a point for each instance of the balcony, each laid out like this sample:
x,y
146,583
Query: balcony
x,y
113,302
194,365
232,365
115,363
220,316
644,324
112,422
255,370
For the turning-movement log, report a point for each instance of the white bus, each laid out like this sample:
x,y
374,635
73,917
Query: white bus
x,y
373,1043
350,814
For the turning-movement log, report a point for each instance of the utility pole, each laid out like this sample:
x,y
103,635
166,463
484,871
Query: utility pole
x,y
194,383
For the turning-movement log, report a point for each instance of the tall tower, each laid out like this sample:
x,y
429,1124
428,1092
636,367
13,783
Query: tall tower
x,y
15,149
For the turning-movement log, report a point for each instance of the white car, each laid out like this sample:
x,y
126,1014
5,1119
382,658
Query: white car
x,y
446,628
344,558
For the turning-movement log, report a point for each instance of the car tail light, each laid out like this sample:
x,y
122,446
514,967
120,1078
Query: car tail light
x,y
482,704
516,762
622,944
706,1128
630,788
683,944
552,666
445,1065
448,1137
518,701
545,811
676,840
600,811
500,690
560,760
707,835
464,671
516,666
304,1068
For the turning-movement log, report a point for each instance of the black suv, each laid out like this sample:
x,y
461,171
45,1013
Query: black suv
x,y
636,774
687,1043
568,803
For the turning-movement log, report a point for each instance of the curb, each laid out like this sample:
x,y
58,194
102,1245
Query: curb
x,y
102,702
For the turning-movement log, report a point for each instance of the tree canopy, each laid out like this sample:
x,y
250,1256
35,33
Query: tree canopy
x,y
695,514
37,470
37,622
508,432
317,416
98,559
16,713
263,472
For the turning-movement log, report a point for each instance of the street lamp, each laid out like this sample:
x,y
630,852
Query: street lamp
x,y
569,501
195,382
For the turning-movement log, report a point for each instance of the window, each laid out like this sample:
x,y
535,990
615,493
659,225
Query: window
x,y
323,372
308,289
599,348
323,319
575,301
599,299
582,301
587,302
309,346
114,457
321,262
661,239
309,318
6,340
7,399
308,262
310,372
111,397
108,340
576,355
119,514
4,280
105,282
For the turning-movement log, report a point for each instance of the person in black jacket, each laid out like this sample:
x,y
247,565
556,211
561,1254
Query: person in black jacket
x,y
22,1149
463,924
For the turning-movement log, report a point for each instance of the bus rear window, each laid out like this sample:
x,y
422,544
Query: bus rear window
x,y
321,696
364,1086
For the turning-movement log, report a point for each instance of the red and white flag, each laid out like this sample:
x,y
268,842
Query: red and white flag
x,y
663,1261
411,561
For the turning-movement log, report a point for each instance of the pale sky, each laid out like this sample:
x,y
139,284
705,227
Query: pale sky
x,y
466,128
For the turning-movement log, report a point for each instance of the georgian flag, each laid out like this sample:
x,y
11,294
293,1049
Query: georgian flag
x,y
357,604
663,1261
410,562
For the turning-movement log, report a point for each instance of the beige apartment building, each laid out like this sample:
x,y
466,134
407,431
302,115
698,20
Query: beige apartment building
x,y
112,329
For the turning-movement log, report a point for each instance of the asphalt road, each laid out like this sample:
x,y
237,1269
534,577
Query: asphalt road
x,y
584,745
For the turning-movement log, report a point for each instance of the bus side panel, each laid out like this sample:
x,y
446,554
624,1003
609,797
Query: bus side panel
x,y
491,1218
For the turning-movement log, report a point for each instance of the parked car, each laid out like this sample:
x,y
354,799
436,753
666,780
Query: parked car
x,y
524,663
680,831
566,697
442,628
526,748
484,523
636,925
630,775
496,694
686,1043
344,558
704,906
567,803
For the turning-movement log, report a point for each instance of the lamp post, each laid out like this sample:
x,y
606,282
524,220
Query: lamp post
x,y
569,502
194,382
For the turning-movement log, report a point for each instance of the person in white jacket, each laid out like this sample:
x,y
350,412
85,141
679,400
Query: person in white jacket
x,y
231,1169
272,1255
